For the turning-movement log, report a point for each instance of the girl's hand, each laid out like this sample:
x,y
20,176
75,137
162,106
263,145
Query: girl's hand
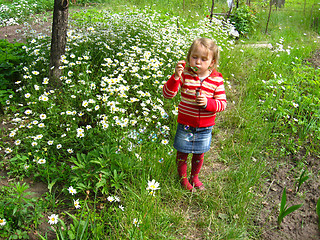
x,y
179,69
201,101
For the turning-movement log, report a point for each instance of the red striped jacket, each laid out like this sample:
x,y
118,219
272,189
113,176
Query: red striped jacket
x,y
189,113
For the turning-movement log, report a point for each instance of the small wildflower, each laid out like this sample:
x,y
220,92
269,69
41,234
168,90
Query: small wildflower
x,y
72,190
153,185
53,219
8,150
138,157
295,105
136,222
164,141
41,161
2,221
45,81
110,199
28,112
76,204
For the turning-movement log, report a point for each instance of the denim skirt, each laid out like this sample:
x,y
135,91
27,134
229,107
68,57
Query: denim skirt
x,y
192,140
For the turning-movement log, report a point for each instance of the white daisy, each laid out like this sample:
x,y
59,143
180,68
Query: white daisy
x,y
53,219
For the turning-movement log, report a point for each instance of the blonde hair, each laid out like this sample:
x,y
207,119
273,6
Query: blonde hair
x,y
209,44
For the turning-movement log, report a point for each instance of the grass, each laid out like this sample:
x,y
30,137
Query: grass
x,y
119,162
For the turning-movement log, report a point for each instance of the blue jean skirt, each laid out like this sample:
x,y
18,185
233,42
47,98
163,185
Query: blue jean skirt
x,y
192,140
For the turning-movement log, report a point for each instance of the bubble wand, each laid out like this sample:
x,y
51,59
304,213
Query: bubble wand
x,y
195,69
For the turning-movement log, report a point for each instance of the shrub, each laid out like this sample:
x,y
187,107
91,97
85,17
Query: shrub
x,y
10,58
244,20
19,209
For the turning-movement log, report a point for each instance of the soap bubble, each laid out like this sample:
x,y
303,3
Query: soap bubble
x,y
189,136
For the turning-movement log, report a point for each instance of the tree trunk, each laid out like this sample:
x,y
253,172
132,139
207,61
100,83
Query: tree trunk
x,y
211,12
268,16
178,26
230,9
59,39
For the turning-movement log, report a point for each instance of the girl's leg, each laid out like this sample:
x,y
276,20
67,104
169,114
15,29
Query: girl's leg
x,y
197,161
182,170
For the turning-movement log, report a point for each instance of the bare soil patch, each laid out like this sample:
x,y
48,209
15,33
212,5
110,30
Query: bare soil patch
x,y
19,33
315,59
303,223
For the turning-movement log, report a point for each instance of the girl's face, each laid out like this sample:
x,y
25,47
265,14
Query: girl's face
x,y
201,59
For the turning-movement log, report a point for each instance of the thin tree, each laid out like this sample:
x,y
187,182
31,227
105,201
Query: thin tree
x,y
230,5
59,39
268,16
211,12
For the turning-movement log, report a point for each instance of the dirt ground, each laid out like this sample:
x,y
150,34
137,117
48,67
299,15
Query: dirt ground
x,y
302,224
299,225
19,33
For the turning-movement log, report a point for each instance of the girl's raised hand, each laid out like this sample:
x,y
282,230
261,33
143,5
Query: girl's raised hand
x,y
179,69
201,101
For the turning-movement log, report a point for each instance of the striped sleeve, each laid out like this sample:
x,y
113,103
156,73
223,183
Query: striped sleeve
x,y
171,87
219,101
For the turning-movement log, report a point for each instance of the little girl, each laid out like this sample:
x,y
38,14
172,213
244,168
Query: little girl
x,y
202,95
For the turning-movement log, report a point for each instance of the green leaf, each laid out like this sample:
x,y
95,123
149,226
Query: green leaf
x,y
280,218
102,183
291,209
71,234
85,228
98,161
302,179
41,237
318,207
283,201
14,210
50,185
75,220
